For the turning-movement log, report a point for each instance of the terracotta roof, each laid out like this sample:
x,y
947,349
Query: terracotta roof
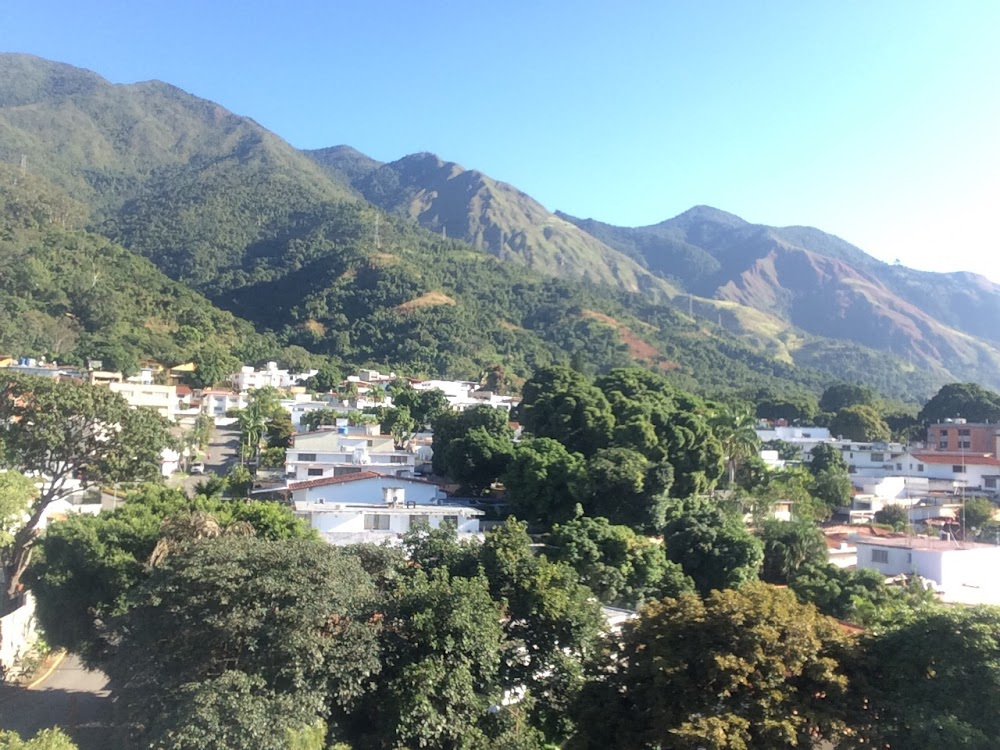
x,y
356,476
184,390
975,459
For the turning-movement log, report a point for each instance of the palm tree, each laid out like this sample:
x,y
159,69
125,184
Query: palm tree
x,y
735,427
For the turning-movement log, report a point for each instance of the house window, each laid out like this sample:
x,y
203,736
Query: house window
x,y
920,467
450,519
991,482
315,472
307,457
958,469
964,433
339,471
899,467
416,522
943,444
878,458
964,443
909,557
880,556
376,521
397,459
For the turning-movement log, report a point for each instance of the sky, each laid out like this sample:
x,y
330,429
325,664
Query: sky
x,y
877,121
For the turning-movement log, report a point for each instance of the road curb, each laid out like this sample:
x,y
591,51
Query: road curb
x,y
48,672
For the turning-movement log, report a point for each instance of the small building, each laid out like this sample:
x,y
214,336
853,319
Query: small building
x,y
216,402
369,507
959,435
345,450
949,563
161,398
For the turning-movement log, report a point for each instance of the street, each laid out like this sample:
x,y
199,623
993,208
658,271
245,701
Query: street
x,y
70,697
222,452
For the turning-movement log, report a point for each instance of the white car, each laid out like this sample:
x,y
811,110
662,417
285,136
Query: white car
x,y
198,468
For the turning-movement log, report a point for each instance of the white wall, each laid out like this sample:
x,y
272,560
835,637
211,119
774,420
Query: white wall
x,y
17,635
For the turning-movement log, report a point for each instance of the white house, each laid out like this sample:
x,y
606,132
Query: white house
x,y
217,402
345,450
162,398
952,565
962,470
249,379
303,404
367,507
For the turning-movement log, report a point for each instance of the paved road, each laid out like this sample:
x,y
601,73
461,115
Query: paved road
x,y
72,698
222,456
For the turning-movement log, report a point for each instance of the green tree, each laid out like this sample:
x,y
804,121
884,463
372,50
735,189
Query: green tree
x,y
931,682
622,568
736,429
793,408
825,456
46,739
789,545
842,395
291,614
562,404
977,512
70,432
968,400
399,423
450,426
896,516
623,486
442,648
712,547
541,480
213,366
234,710
327,378
478,459
833,488
17,492
861,423
743,669
87,566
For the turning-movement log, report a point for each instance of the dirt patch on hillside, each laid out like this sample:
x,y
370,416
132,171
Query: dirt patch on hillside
x,y
430,299
638,348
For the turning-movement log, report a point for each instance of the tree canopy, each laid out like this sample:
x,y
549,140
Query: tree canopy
x,y
71,434
738,670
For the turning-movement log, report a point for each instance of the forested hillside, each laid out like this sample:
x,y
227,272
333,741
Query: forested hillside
x,y
70,294
289,243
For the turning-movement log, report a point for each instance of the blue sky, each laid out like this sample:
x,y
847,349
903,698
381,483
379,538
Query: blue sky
x,y
876,121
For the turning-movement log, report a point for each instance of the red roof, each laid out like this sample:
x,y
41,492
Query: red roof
x,y
356,476
954,459
184,390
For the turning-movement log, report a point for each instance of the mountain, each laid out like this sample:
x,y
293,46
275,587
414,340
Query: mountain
x,y
148,157
71,295
417,265
823,286
465,204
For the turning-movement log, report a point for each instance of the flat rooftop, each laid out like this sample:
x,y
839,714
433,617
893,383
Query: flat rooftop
x,y
919,542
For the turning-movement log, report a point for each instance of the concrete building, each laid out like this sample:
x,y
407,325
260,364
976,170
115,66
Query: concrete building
x,y
345,450
956,435
162,398
952,565
369,507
